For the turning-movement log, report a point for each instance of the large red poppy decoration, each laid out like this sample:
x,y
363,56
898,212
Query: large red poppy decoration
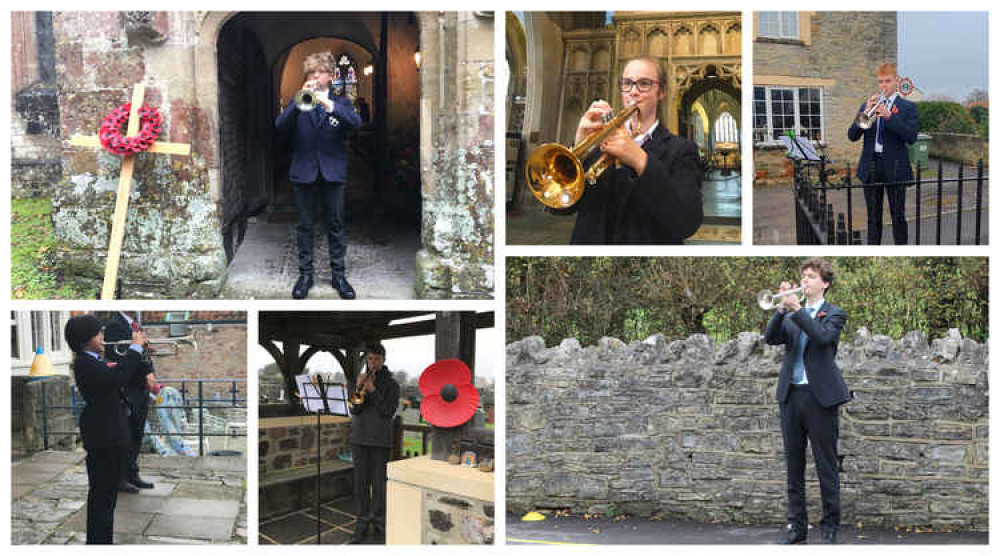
x,y
450,399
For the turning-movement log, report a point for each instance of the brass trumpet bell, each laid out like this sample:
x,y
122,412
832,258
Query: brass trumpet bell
x,y
555,174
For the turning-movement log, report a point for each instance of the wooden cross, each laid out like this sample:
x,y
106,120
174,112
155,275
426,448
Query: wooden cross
x,y
125,187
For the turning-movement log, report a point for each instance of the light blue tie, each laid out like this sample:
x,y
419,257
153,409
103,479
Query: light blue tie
x,y
799,373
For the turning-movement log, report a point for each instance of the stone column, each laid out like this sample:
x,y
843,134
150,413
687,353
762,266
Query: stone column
x,y
456,155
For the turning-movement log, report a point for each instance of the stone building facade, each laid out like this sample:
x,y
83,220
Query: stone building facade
x,y
812,70
216,77
689,430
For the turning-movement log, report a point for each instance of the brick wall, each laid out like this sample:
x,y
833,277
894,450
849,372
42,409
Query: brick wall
x,y
690,430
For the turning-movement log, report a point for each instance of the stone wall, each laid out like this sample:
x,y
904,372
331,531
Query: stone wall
x,y
960,147
690,430
287,447
173,246
456,146
838,52
450,519
27,418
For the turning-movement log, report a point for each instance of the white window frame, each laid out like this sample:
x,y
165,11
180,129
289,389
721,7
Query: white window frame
x,y
27,343
770,140
735,138
787,34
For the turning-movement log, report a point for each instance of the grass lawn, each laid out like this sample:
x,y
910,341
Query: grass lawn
x,y
32,247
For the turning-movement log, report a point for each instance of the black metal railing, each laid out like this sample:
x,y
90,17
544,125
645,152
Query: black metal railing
x,y
234,398
825,216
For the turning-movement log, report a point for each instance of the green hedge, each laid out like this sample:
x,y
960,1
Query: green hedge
x,y
632,298
950,117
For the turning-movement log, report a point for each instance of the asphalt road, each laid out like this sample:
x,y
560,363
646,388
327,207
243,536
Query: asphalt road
x,y
574,530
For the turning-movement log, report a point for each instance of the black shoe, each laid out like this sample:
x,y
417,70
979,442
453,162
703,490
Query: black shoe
x,y
830,537
302,285
794,536
343,288
140,483
128,487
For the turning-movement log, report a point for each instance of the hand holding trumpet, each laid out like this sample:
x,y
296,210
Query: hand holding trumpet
x,y
789,302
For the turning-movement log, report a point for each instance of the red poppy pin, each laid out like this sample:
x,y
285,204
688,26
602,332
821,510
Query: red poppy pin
x,y
450,399
821,314
895,110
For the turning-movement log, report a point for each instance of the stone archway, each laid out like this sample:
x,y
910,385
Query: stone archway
x,y
692,81
449,151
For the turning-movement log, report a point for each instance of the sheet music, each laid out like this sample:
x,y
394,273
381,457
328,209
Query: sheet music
x,y
799,148
312,397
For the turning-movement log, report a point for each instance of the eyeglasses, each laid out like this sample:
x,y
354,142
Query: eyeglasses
x,y
644,85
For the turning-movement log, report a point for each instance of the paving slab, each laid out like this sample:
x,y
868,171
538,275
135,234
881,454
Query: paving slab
x,y
266,264
160,488
291,529
197,507
187,505
125,522
336,536
140,503
333,517
186,526
16,491
173,540
207,491
60,456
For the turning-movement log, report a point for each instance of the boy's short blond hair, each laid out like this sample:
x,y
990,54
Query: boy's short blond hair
x,y
318,60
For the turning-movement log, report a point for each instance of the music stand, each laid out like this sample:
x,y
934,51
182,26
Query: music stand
x,y
800,148
319,397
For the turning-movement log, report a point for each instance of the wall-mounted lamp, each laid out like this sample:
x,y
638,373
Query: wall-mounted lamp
x,y
416,58
369,69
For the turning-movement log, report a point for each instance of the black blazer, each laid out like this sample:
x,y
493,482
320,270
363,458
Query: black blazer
x,y
661,207
898,131
104,421
136,391
825,381
318,140
371,422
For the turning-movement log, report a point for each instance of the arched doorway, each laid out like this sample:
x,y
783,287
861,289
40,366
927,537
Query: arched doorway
x,y
259,66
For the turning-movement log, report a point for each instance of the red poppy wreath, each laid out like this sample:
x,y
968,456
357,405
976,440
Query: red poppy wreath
x,y
150,127
450,399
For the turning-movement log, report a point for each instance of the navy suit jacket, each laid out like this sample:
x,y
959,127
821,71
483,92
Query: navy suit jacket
x,y
898,131
823,332
104,421
136,391
318,140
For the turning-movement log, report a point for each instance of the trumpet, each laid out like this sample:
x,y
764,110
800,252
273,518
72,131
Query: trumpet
x,y
307,100
358,397
866,118
555,173
767,300
120,347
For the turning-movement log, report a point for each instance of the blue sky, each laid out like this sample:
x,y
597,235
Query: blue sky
x,y
944,53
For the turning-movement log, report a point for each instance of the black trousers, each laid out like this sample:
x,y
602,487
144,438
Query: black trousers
x,y
802,419
103,471
369,484
331,196
897,201
136,427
